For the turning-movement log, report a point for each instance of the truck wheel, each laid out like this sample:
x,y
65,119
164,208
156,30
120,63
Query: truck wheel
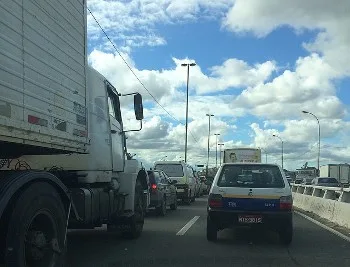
x,y
174,205
162,209
286,234
138,219
212,230
37,228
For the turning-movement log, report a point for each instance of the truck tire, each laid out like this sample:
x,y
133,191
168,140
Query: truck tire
x,y
162,209
138,219
37,228
212,230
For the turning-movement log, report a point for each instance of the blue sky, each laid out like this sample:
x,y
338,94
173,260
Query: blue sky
x,y
259,63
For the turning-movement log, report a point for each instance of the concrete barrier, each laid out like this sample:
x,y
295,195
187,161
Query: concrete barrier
x,y
331,203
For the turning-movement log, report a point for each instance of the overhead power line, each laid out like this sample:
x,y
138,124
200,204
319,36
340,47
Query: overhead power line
x,y
133,72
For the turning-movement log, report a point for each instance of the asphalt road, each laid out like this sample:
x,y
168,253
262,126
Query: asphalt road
x,y
160,245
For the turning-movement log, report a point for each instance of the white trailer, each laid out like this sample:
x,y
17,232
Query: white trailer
x,y
63,156
242,155
339,171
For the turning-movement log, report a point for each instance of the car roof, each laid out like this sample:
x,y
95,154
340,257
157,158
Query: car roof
x,y
249,163
169,162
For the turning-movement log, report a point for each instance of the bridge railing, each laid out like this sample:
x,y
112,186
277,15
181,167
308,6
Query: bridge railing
x,y
331,203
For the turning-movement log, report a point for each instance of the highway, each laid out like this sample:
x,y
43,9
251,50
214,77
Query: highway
x,y
165,242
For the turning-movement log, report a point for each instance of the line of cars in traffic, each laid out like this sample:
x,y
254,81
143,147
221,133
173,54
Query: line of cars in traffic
x,y
241,194
171,181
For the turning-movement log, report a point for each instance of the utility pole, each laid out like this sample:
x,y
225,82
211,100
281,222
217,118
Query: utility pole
x,y
221,144
209,116
319,139
188,77
282,147
216,150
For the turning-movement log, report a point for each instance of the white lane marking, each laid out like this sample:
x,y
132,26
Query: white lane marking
x,y
346,238
187,226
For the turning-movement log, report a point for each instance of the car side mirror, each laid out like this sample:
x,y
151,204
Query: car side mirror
x,y
138,107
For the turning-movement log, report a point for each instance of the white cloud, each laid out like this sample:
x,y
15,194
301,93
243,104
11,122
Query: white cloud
x,y
309,87
133,23
300,139
331,19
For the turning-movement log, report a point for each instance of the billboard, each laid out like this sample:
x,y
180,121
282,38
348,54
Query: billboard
x,y
242,155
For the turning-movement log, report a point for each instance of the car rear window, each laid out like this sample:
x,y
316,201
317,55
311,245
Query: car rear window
x,y
251,175
172,170
153,177
327,180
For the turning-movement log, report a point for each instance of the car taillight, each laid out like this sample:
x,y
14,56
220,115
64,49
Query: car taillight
x,y
154,187
286,203
215,201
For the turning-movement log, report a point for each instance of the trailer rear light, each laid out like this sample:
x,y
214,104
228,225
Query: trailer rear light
x,y
286,203
215,201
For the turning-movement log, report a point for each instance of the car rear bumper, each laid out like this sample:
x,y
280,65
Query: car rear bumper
x,y
182,191
226,219
155,201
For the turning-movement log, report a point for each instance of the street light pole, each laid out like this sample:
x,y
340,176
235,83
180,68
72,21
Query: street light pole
x,y
282,147
264,150
216,151
188,77
209,116
319,139
221,144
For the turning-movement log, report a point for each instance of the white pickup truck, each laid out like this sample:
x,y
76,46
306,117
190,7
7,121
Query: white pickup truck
x,y
63,156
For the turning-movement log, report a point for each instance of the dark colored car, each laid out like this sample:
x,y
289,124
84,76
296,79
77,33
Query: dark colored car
x,y
162,191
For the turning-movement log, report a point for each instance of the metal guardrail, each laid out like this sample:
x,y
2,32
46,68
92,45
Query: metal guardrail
x,y
340,194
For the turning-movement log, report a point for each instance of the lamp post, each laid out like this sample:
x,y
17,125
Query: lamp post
x,y
216,150
220,144
319,139
209,116
282,147
188,65
264,150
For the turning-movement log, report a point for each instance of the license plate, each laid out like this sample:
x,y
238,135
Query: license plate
x,y
180,190
249,219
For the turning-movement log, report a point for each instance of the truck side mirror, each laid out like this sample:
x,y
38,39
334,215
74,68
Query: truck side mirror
x,y
138,107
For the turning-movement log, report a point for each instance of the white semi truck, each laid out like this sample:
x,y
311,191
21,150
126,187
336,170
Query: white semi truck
x,y
63,156
233,155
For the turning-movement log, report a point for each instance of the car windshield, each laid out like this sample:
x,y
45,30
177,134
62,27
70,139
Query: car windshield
x,y
327,180
172,170
252,176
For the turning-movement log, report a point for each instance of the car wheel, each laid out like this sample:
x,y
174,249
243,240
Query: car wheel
x,y
162,209
286,234
212,230
174,205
